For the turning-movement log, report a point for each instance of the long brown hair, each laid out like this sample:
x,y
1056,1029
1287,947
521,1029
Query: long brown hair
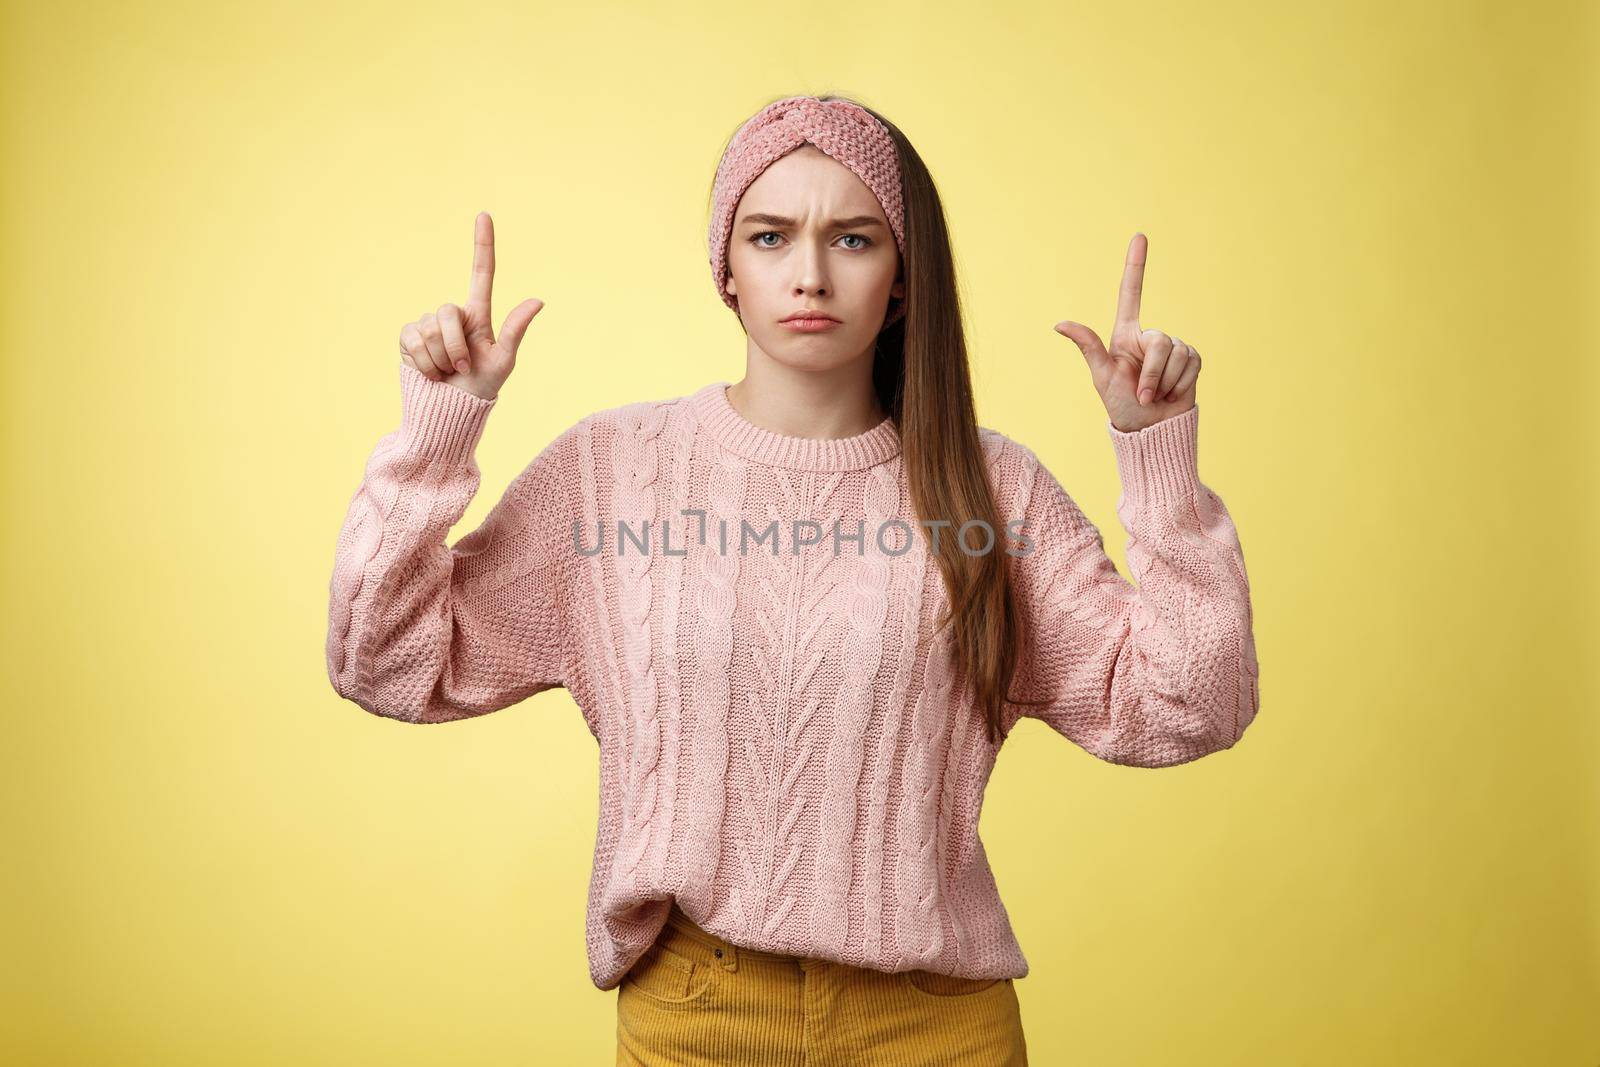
x,y
922,378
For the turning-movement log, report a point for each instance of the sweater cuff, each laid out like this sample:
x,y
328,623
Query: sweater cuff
x,y
438,420
1160,461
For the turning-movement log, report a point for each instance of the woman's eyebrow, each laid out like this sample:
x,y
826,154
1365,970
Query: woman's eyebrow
x,y
856,221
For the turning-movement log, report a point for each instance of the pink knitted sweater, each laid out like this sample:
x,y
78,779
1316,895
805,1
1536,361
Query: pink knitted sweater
x,y
782,749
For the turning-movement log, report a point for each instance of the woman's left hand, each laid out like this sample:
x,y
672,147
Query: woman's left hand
x,y
1147,376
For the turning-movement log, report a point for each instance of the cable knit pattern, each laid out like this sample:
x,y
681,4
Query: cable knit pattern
x,y
785,748
865,608
716,599
634,470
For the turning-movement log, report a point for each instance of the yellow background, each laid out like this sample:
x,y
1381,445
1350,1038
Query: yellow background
x,y
1376,221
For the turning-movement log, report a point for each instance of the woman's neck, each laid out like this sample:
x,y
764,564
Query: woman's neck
x,y
819,405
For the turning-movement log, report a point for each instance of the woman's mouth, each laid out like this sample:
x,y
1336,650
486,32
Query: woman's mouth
x,y
810,325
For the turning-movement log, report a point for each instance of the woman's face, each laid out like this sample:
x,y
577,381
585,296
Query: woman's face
x,y
806,234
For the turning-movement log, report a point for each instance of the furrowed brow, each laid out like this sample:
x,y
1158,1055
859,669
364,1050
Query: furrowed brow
x,y
854,222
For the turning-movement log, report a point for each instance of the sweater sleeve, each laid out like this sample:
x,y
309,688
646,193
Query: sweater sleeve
x,y
427,633
1148,676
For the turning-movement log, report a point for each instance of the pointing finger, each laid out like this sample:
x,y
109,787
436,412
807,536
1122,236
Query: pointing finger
x,y
1132,283
478,293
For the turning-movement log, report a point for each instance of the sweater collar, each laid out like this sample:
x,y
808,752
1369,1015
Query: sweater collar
x,y
736,433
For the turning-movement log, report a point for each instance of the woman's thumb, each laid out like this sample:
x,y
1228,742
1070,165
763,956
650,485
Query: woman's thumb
x,y
1087,340
516,324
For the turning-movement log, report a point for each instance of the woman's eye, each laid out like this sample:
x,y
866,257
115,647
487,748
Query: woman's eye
x,y
866,242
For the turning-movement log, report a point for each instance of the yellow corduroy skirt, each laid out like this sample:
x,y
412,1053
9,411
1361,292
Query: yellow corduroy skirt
x,y
695,999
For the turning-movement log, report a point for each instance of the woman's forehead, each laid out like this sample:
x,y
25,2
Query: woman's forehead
x,y
812,183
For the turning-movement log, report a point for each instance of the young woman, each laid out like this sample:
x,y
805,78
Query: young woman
x,y
801,613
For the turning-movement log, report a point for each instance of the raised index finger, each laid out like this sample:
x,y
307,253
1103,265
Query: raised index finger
x,y
482,262
1132,282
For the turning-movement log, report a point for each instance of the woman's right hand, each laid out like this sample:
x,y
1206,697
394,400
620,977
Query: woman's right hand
x,y
456,344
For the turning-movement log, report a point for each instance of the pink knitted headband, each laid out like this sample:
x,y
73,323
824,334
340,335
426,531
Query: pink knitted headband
x,y
845,131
